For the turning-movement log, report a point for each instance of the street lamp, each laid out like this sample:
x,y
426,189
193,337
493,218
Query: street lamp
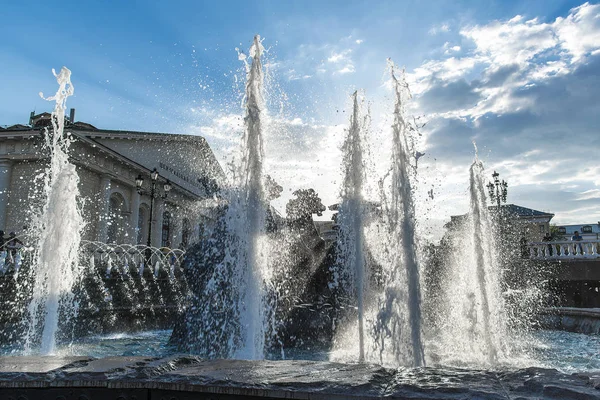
x,y
497,190
154,193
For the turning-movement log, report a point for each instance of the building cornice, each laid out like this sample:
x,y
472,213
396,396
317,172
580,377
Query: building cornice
x,y
82,137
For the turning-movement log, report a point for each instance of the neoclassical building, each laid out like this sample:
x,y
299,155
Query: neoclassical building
x,y
109,163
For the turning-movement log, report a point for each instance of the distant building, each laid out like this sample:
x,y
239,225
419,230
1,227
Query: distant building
x,y
532,224
327,230
108,163
587,231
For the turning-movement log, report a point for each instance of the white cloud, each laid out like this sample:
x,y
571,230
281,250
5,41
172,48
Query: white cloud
x,y
303,155
579,32
293,75
347,69
546,47
448,48
511,42
230,122
224,128
538,51
525,90
338,57
589,195
439,29
342,61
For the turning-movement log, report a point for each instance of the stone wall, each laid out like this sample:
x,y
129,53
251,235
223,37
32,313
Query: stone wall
x,y
24,194
571,319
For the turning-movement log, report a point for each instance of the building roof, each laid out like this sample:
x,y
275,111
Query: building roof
x,y
84,126
521,211
159,146
17,127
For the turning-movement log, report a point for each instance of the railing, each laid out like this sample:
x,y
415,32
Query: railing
x,y
121,255
567,249
138,256
13,253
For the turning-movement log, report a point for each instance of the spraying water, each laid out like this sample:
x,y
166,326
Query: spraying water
x,y
387,290
252,207
482,251
351,217
400,302
232,313
474,326
58,232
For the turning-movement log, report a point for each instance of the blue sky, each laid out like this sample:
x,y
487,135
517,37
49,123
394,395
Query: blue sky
x,y
516,76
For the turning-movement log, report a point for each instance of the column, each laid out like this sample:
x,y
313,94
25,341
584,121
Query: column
x,y
5,175
104,193
134,216
157,220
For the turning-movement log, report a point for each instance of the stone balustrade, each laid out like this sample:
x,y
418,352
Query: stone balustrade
x,y
565,249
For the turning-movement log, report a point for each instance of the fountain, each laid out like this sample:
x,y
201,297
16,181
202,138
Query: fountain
x,y
248,209
235,318
249,299
351,240
473,322
58,236
387,288
402,245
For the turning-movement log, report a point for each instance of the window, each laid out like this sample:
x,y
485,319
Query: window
x,y
142,225
586,229
166,230
200,232
542,228
562,230
115,220
185,232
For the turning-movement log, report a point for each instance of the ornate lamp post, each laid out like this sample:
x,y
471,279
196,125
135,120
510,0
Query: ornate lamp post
x,y
497,190
153,193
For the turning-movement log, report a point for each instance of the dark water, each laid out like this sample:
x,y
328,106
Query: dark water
x,y
551,365
568,352
565,351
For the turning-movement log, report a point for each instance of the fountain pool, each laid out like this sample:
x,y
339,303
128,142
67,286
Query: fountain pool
x,y
566,352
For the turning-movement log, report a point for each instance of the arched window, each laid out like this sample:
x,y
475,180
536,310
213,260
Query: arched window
x,y
116,220
142,224
202,228
166,230
200,232
185,232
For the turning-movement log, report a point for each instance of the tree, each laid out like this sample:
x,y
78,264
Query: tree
x,y
555,233
272,188
306,203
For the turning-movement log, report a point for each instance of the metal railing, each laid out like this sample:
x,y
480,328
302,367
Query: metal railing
x,y
138,256
13,254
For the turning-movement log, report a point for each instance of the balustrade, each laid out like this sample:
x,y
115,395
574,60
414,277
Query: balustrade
x,y
565,249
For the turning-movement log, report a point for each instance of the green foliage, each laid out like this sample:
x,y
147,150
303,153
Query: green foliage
x,y
306,203
555,234
272,188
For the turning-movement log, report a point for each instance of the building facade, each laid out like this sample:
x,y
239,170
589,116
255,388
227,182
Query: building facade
x,y
586,231
528,223
108,163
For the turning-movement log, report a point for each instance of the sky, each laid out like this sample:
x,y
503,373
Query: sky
x,y
521,79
